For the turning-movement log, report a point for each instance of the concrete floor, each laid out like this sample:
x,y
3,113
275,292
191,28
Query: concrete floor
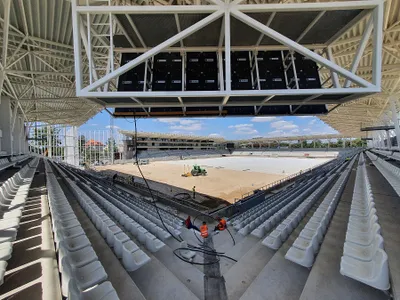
x,y
387,204
325,281
32,270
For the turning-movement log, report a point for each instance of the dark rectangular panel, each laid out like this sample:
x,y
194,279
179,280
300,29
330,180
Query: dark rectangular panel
x,y
270,68
133,80
201,71
167,72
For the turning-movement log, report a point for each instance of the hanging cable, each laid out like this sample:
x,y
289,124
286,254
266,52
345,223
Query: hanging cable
x,y
179,238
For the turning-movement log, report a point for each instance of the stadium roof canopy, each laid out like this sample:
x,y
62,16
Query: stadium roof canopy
x,y
170,136
38,59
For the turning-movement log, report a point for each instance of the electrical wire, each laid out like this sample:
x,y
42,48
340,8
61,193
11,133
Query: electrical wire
x,y
179,238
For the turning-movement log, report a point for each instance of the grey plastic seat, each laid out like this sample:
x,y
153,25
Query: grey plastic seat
x,y
132,257
87,276
9,223
364,253
8,235
62,233
103,291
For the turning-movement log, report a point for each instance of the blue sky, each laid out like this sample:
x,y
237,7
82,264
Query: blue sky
x,y
228,127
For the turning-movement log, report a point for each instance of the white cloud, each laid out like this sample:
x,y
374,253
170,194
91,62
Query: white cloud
x,y
306,129
263,119
215,135
180,124
187,127
305,117
93,124
112,126
312,122
244,129
169,120
284,125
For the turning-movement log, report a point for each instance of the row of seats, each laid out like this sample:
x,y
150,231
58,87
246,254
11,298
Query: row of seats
x,y
124,248
13,195
277,237
244,218
275,214
237,219
305,153
144,208
389,171
151,224
6,162
389,154
82,274
363,256
306,246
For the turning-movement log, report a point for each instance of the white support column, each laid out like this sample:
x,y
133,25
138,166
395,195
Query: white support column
x,y
388,139
377,45
334,75
227,25
360,50
395,118
77,46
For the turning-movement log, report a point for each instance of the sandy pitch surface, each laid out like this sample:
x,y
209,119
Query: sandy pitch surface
x,y
226,178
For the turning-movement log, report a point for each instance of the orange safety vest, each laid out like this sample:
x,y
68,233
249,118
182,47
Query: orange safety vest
x,y
204,231
221,225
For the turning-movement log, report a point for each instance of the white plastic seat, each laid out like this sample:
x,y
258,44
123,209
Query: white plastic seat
x,y
9,223
152,243
104,226
76,243
77,258
5,251
363,238
374,273
364,253
87,276
111,232
3,266
119,240
185,252
103,291
62,233
132,257
141,236
301,257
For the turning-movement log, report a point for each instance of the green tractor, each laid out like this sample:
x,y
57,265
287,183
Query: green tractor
x,y
198,171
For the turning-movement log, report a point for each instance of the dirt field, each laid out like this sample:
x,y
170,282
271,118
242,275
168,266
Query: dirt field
x,y
221,183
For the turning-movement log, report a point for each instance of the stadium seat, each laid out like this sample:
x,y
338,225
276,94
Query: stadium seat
x,y
119,240
152,243
3,266
307,244
5,251
86,276
363,253
103,291
132,257
77,258
374,273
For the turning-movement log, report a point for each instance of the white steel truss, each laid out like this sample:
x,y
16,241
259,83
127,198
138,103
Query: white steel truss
x,y
40,77
354,86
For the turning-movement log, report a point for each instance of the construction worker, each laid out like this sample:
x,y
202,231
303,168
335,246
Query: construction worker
x,y
221,224
194,192
204,230
189,224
